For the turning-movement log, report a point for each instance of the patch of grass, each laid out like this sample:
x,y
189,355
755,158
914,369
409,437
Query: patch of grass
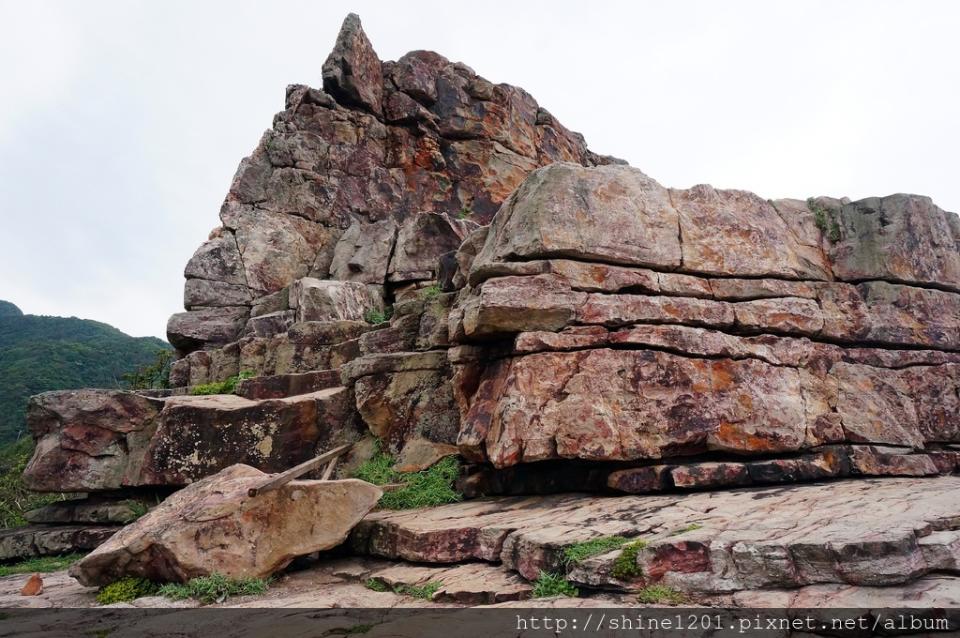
x,y
227,386
464,213
377,317
138,509
126,589
625,566
825,220
431,292
425,591
581,551
429,488
15,498
548,585
42,565
214,588
375,585
692,527
660,595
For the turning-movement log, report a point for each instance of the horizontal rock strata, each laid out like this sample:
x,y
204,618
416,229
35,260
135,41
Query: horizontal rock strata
x,y
719,541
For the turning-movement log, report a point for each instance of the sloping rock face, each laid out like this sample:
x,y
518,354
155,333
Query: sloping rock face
x,y
214,526
616,320
330,187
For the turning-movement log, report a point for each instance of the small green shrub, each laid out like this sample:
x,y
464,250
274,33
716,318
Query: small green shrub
x,y
377,317
548,585
581,551
125,590
42,565
425,591
625,566
375,585
152,375
692,527
431,292
824,220
429,488
138,509
227,386
214,588
464,213
660,595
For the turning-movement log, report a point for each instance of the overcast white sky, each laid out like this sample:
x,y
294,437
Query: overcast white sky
x,y
121,123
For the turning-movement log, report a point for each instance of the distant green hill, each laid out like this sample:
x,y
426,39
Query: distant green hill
x,y
39,353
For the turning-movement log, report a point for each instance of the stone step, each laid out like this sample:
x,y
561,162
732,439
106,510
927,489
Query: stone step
x,y
31,541
280,386
709,542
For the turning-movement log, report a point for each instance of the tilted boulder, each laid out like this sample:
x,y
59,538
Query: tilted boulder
x,y
214,526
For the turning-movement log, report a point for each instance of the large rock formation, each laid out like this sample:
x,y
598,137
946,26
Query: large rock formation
x,y
416,255
344,171
637,323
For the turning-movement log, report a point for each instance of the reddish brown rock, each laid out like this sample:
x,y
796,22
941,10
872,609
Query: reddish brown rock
x,y
421,240
287,385
33,586
85,438
352,73
621,405
640,480
710,475
873,460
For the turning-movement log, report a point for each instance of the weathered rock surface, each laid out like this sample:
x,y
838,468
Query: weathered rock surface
x,y
99,510
18,543
345,172
93,440
214,526
719,541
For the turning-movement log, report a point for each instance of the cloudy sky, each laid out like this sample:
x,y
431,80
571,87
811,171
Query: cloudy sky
x,y
122,122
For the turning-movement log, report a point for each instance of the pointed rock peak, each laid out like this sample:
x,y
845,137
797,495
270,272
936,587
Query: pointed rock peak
x,y
352,72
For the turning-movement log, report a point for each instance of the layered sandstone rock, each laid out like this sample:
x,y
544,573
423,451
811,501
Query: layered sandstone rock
x,y
328,190
616,320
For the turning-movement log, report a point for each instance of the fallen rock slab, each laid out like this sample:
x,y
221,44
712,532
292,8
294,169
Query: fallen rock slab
x,y
214,526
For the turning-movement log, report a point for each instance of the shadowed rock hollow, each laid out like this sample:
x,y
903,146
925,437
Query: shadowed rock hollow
x,y
418,255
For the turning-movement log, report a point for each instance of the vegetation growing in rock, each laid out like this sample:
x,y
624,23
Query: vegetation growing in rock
x,y
825,220
425,591
15,499
214,588
625,566
227,386
548,585
151,375
377,316
660,595
429,488
43,564
126,589
38,354
692,527
431,292
376,585
581,551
